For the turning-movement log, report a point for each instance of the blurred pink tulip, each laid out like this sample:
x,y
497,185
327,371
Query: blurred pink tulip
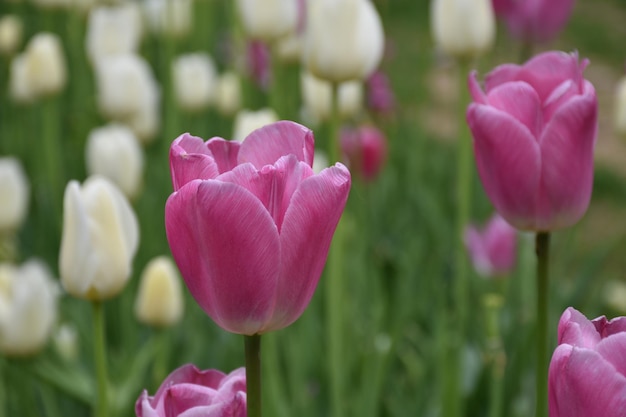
x,y
190,392
250,224
492,250
259,63
380,97
534,20
587,376
365,149
534,129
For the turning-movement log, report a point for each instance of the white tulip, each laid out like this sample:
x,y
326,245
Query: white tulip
x,y
113,31
320,161
228,93
145,124
317,97
100,239
28,307
20,89
194,78
343,40
66,342
463,28
289,48
169,17
160,299
14,194
45,64
268,20
247,121
114,152
620,108
11,32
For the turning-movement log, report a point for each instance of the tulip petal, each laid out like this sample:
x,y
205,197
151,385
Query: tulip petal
x,y
225,153
500,75
307,231
225,242
187,396
266,145
519,100
546,71
575,329
190,374
608,328
189,160
508,161
583,384
474,88
567,170
613,350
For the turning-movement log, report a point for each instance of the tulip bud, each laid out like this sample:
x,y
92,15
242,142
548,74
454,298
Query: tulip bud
x,y
493,249
114,152
228,94
620,108
28,307
169,17
160,299
268,20
344,39
247,121
463,28
317,97
45,64
66,342
366,150
100,239
194,77
14,194
113,31
20,88
10,34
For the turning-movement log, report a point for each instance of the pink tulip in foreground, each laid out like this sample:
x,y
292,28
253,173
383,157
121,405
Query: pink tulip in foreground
x,y
249,224
534,129
534,20
492,250
190,392
588,369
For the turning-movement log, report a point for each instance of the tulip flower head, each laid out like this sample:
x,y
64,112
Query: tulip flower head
x,y
268,20
14,194
619,120
190,392
194,77
11,32
534,129
250,224
100,239
587,375
492,250
160,299
114,30
365,149
534,20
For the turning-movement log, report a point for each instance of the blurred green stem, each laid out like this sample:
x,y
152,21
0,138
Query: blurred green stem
x,y
542,248
99,345
159,369
493,305
52,177
253,374
276,98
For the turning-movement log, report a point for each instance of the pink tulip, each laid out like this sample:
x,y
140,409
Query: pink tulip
x,y
587,376
534,20
190,392
534,129
366,150
259,63
492,249
250,224
380,97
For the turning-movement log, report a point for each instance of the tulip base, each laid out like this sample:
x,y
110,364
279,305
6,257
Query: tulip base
x,y
253,374
542,248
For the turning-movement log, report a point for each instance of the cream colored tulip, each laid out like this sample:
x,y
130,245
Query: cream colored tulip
x,y
20,89
66,342
228,93
169,17
247,121
28,307
343,40
114,152
619,117
45,64
268,20
113,30
14,195
159,301
194,78
11,32
317,97
463,28
100,239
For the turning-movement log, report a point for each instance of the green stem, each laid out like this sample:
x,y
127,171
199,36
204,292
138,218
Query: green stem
x,y
276,94
542,248
335,127
159,369
102,402
253,374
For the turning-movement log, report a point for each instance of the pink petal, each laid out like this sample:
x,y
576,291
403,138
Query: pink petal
x,y
266,145
567,169
613,350
520,101
189,373
500,75
474,88
226,246
235,407
190,160
477,251
225,153
181,397
508,161
607,328
307,231
546,71
575,329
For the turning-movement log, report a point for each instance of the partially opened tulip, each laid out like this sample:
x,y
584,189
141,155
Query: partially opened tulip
x,y
588,370
492,249
250,224
534,129
190,392
534,20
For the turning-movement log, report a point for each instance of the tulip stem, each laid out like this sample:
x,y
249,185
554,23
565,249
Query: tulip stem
x,y
253,374
542,248
99,345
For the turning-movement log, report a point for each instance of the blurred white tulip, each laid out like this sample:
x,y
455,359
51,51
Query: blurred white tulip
x,y
247,120
320,161
159,300
11,32
45,66
289,48
20,89
268,20
343,39
100,239
169,17
317,97
463,28
14,194
66,341
115,30
619,117
114,152
194,78
228,93
28,307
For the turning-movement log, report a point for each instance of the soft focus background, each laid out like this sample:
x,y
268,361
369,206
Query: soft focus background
x,y
399,227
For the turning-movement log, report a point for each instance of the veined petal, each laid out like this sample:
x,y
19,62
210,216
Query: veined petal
x,y
307,231
189,373
508,161
613,350
226,246
575,329
225,153
567,152
520,100
546,71
266,145
500,75
607,328
190,159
